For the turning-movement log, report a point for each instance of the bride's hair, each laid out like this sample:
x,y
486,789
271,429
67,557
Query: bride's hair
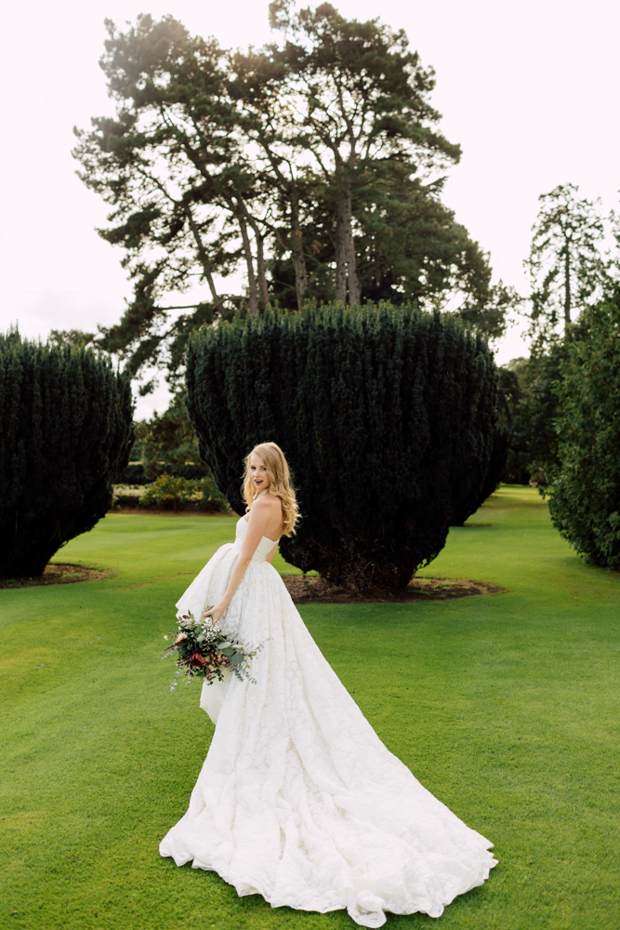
x,y
279,483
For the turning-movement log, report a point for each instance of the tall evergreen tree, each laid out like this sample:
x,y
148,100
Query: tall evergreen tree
x,y
65,434
357,99
565,264
289,162
386,414
184,195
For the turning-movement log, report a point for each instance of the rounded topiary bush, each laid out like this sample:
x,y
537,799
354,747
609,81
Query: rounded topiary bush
x,y
585,487
493,477
65,433
386,415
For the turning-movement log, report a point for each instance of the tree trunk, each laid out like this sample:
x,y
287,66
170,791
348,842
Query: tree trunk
x,y
262,276
289,188
297,251
567,294
299,264
260,260
346,271
354,285
249,261
206,268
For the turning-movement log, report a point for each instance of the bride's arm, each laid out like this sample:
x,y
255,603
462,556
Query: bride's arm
x,y
262,510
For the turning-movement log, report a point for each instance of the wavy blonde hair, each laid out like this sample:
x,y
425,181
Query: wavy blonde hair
x,y
279,483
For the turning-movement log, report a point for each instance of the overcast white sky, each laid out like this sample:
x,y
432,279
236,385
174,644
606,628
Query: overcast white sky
x,y
529,90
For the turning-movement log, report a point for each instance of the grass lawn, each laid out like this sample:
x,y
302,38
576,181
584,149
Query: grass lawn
x,y
507,707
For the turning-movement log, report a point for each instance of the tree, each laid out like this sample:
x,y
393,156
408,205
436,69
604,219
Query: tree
x,y
65,433
492,479
169,443
409,247
73,338
387,416
529,405
173,172
357,99
358,117
566,265
584,493
290,161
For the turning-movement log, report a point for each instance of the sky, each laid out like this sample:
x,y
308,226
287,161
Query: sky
x,y
530,91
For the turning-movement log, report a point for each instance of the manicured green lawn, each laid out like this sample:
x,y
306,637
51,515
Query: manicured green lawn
x,y
506,706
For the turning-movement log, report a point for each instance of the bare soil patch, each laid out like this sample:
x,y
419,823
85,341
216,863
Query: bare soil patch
x,y
56,573
312,590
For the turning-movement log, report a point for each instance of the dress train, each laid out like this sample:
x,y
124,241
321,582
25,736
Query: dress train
x,y
298,799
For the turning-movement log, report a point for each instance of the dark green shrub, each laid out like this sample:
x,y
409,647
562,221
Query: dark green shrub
x,y
585,488
65,434
497,464
528,403
385,414
133,474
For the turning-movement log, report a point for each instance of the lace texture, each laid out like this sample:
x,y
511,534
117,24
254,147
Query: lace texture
x,y
298,799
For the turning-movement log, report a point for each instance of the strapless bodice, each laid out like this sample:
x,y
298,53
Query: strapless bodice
x,y
264,547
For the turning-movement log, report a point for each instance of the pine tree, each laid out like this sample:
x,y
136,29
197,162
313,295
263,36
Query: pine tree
x,y
566,265
314,164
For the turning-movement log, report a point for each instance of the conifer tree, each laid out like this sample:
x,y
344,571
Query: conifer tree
x,y
387,416
566,265
65,433
315,165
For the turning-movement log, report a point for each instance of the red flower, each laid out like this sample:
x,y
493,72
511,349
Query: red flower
x,y
197,659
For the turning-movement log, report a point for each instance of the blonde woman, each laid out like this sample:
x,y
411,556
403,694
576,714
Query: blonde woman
x,y
298,800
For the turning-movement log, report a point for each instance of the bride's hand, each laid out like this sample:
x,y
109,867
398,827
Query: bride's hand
x,y
215,613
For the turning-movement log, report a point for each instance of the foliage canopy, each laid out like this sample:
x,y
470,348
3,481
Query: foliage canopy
x,y
585,489
566,263
387,416
65,433
314,164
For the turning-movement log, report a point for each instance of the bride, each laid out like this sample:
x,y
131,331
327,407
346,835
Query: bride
x,y
298,799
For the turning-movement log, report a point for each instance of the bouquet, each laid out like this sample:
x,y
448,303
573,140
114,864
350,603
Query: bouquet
x,y
206,652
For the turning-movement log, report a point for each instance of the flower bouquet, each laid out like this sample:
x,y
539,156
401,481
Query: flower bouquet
x,y
204,651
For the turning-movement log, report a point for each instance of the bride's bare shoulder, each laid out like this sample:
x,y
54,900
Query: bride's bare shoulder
x,y
267,499
268,504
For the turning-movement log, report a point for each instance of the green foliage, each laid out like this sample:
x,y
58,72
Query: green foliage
x,y
496,467
73,338
387,416
585,490
174,493
529,407
168,492
565,264
65,434
169,443
315,165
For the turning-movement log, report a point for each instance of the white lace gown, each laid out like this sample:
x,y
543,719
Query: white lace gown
x,y
298,799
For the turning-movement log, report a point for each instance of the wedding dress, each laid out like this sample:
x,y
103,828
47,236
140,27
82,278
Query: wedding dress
x,y
298,799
